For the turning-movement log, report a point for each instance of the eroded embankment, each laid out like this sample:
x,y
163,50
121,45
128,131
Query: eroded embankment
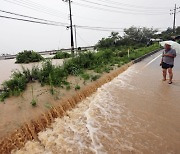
x,y
29,130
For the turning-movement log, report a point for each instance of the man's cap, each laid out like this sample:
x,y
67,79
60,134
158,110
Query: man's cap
x,y
168,43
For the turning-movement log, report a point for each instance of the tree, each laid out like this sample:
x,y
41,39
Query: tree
x,y
110,41
178,30
167,34
132,36
135,35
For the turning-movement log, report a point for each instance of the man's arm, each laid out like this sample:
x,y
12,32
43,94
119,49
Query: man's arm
x,y
169,55
172,54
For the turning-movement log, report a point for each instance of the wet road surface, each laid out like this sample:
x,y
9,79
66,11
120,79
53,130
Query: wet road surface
x,y
135,113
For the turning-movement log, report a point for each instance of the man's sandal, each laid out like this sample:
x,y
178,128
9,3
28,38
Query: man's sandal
x,y
170,82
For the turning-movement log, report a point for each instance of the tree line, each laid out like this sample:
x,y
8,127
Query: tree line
x,y
137,37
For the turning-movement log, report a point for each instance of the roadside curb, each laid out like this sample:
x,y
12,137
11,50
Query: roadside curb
x,y
145,56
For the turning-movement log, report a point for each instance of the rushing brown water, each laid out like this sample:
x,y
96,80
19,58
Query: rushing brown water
x,y
135,113
8,66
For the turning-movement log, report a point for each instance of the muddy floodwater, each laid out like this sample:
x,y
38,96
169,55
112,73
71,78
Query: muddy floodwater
x,y
135,113
8,66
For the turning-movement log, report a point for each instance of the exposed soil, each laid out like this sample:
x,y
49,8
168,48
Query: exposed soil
x,y
15,111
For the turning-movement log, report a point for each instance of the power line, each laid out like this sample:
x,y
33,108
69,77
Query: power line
x,y
98,20
34,6
110,10
99,29
32,17
32,21
82,39
37,7
55,23
51,13
134,6
114,7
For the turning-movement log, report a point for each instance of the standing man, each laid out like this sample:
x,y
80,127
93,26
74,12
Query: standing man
x,y
167,62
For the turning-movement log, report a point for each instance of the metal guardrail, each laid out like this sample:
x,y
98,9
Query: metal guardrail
x,y
48,52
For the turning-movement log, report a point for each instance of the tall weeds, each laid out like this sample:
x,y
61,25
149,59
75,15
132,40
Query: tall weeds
x,y
62,55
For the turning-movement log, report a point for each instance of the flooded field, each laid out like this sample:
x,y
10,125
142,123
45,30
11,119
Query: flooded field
x,y
8,66
135,113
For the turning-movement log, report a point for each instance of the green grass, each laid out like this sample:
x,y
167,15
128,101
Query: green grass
x,y
56,76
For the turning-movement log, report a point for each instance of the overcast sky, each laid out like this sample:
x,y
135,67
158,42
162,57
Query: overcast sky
x,y
16,36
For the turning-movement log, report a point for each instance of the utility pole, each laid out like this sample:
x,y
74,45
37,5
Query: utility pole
x,y
174,12
75,32
71,26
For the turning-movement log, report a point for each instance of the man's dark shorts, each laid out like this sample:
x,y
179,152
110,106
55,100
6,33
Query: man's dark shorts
x,y
166,66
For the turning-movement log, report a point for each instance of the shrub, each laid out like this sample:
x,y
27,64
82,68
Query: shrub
x,y
16,85
71,68
52,75
68,87
35,73
4,95
85,76
33,103
77,87
95,77
62,55
98,70
121,53
28,56
107,69
27,74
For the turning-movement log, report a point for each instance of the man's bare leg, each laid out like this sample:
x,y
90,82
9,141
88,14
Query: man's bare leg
x,y
170,75
164,74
